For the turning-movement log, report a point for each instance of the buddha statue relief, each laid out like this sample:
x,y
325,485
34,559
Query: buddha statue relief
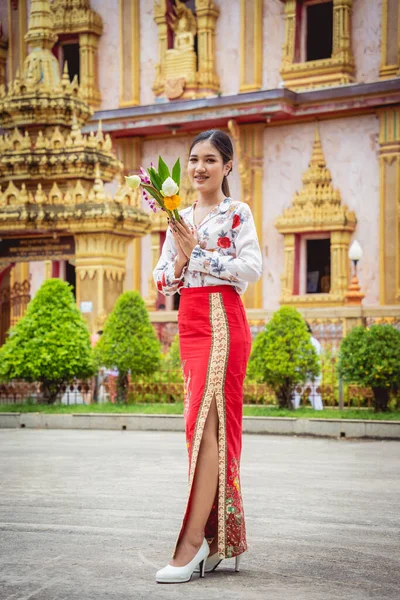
x,y
181,60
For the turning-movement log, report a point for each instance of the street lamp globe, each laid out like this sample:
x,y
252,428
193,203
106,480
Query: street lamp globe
x,y
355,251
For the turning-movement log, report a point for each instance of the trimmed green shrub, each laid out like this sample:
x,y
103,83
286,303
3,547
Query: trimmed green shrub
x,y
129,342
50,343
172,359
371,357
283,355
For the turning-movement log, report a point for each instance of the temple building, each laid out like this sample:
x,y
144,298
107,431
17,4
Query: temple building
x,y
309,90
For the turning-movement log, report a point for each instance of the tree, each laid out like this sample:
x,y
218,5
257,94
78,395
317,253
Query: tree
x,y
371,357
50,344
283,355
129,342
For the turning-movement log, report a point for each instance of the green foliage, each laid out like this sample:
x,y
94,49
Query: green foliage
x,y
371,357
50,344
163,170
172,359
155,178
330,379
171,370
129,342
283,355
176,172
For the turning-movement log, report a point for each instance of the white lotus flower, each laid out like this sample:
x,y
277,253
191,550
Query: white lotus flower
x,y
169,187
133,181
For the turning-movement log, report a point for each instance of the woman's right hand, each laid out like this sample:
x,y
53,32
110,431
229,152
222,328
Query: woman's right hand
x,y
182,259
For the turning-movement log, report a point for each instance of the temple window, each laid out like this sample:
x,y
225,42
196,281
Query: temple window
x,y
68,51
78,28
318,30
317,230
317,48
316,274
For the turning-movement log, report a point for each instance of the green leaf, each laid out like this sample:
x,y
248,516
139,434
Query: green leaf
x,y
176,172
163,170
154,178
154,193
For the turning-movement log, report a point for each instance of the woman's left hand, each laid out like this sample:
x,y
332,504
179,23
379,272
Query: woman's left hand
x,y
184,236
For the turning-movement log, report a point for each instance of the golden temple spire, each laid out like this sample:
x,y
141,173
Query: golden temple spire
x,y
317,206
41,66
317,157
40,32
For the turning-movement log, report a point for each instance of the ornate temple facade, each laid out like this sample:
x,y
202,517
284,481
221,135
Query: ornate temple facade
x,y
309,91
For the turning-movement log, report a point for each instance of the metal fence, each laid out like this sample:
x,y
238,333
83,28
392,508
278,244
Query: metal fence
x,y
166,386
21,392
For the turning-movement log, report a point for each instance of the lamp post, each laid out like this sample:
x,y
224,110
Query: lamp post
x,y
354,296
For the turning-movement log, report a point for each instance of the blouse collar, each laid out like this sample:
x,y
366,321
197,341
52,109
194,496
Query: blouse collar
x,y
222,207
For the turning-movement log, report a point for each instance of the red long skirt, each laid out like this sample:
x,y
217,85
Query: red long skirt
x,y
215,344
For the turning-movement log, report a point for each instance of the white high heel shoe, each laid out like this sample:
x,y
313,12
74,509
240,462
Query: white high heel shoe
x,y
170,574
214,560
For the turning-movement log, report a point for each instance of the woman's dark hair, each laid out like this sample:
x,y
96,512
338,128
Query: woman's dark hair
x,y
222,142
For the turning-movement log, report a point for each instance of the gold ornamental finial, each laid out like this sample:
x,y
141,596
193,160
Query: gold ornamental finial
x,y
40,32
41,66
317,206
317,157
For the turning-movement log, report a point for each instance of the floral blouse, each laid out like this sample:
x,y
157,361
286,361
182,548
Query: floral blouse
x,y
228,252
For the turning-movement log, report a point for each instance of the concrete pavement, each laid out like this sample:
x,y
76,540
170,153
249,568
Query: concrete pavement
x,y
91,515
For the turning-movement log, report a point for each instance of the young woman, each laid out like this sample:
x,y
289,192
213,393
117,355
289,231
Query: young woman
x,y
209,260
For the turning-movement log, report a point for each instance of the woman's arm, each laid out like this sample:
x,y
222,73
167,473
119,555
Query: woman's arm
x,y
246,265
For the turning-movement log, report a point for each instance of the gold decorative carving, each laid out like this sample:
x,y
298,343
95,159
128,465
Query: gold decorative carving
x,y
249,146
317,208
251,45
389,167
40,95
76,17
243,162
55,154
174,88
390,47
336,70
100,271
53,176
129,35
181,60
180,73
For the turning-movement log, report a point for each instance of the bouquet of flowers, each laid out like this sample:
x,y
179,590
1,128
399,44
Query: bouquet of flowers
x,y
162,185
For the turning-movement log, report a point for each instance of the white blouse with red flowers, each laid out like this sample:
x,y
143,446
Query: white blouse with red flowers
x,y
228,251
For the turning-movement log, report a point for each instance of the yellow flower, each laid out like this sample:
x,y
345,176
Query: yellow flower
x,y
172,202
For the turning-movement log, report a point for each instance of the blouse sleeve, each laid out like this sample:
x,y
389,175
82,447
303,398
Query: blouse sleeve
x,y
164,273
245,265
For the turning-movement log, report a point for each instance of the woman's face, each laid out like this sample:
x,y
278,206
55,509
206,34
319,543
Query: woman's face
x,y
206,168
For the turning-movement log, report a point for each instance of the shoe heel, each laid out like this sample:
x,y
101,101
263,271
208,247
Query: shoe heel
x,y
237,562
202,568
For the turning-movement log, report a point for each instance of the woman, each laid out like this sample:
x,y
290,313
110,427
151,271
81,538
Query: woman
x,y
209,259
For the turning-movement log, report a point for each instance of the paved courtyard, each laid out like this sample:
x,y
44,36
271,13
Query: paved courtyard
x,y
91,515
